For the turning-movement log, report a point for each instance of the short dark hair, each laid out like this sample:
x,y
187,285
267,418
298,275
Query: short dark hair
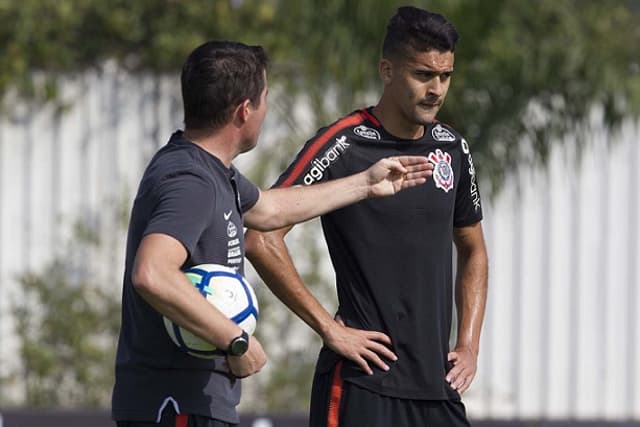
x,y
413,30
216,77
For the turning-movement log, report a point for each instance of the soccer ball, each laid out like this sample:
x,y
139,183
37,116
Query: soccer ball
x,y
230,293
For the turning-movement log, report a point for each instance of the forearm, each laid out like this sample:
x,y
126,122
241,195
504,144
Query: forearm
x,y
157,278
187,308
271,259
292,205
471,297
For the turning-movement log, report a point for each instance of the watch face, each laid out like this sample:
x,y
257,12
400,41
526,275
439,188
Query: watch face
x,y
239,346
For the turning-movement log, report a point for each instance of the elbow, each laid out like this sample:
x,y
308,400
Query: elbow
x,y
254,242
266,220
261,246
269,224
142,279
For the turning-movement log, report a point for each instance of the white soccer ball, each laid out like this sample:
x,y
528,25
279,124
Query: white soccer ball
x,y
230,293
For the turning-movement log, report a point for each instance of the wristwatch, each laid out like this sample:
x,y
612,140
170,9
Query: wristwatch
x,y
239,345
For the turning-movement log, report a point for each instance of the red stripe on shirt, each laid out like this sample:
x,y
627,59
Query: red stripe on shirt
x,y
370,117
182,420
307,157
333,417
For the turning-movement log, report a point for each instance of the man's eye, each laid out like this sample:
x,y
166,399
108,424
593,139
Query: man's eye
x,y
425,75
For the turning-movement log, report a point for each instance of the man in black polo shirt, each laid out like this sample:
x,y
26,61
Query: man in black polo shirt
x,y
386,359
191,207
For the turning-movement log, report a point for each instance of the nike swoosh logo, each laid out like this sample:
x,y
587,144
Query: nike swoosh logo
x,y
227,215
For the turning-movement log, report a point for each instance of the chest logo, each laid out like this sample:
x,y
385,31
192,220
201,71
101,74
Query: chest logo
x,y
232,230
227,215
442,171
439,133
366,132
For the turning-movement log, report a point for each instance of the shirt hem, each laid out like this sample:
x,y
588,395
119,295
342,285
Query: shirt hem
x,y
404,394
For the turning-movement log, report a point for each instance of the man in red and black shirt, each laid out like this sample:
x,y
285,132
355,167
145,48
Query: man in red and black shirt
x,y
386,359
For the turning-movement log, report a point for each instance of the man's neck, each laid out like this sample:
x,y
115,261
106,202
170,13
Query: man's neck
x,y
218,143
396,124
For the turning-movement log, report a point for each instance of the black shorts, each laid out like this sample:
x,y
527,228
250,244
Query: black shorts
x,y
170,419
335,403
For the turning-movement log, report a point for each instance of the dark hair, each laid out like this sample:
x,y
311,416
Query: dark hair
x,y
413,30
216,77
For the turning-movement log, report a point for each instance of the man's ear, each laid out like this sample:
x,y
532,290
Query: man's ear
x,y
385,69
242,111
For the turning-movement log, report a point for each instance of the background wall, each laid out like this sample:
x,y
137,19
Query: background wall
x,y
561,337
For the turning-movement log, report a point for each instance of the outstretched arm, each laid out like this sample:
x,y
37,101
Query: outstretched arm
x,y
471,297
280,207
269,255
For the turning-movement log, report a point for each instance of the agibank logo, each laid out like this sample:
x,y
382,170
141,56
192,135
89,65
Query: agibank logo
x,y
320,164
442,171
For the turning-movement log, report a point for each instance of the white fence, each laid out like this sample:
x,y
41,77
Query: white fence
x,y
561,337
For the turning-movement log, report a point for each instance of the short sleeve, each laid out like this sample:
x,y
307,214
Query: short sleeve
x,y
468,208
247,191
312,162
184,206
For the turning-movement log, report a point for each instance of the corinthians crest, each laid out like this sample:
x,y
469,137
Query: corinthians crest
x,y
442,171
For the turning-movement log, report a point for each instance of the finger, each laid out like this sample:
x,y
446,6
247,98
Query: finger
x,y
454,373
377,336
239,374
458,383
419,170
412,160
417,174
419,167
373,357
378,342
382,350
395,165
412,183
468,379
362,364
418,177
458,377
466,385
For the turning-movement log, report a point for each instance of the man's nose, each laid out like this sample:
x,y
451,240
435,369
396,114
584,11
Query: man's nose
x,y
436,87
